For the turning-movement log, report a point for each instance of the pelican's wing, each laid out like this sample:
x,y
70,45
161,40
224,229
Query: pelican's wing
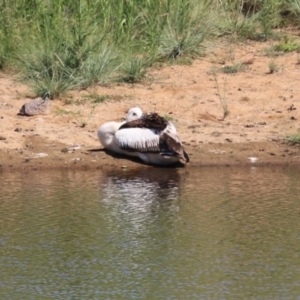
x,y
138,139
148,120
169,137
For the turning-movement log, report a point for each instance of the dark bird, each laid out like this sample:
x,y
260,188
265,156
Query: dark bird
x,y
36,107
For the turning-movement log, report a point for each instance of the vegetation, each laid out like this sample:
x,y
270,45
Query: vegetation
x,y
287,46
168,118
58,45
273,68
294,139
235,68
222,97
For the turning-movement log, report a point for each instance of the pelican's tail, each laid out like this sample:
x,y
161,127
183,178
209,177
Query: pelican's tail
x,y
184,158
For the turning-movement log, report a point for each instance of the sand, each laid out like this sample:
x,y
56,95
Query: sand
x,y
264,109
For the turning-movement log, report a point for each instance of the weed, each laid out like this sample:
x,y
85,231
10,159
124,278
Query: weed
x,y
183,33
94,98
98,69
273,68
82,121
91,98
100,98
222,97
287,46
134,70
294,139
168,118
63,112
270,52
235,68
182,61
230,69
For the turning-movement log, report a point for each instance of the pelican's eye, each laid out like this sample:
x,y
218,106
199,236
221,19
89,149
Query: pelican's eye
x,y
134,114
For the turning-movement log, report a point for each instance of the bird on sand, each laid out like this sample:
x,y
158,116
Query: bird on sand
x,y
145,135
36,107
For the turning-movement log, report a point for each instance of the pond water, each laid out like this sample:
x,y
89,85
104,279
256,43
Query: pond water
x,y
208,233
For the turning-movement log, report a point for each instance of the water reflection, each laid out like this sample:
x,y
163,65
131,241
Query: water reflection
x,y
150,234
138,207
140,195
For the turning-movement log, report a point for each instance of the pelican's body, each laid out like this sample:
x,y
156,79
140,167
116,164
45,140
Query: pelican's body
x,y
107,132
147,136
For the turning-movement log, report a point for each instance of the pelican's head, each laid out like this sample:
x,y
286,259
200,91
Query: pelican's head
x,y
134,114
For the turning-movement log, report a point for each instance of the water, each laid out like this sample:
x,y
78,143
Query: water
x,y
211,233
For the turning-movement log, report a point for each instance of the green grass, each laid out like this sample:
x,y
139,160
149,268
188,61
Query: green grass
x,y
287,46
273,67
235,68
222,96
294,139
60,45
93,98
134,69
229,69
63,112
168,118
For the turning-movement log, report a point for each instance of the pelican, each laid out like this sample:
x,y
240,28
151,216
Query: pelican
x,y
148,136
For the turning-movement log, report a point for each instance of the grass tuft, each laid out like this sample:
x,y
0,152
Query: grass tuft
x,y
222,97
134,69
235,68
273,67
168,118
294,139
287,46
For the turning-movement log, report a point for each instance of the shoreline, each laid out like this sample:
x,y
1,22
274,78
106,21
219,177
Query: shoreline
x,y
209,155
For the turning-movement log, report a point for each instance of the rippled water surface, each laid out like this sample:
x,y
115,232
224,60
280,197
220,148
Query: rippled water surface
x,y
210,233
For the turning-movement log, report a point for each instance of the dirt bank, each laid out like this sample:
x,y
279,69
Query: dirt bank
x,y
264,109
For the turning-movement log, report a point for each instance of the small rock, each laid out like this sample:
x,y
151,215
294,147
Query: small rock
x,y
76,159
253,159
75,147
37,155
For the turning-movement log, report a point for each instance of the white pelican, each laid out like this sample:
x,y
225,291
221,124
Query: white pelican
x,y
147,136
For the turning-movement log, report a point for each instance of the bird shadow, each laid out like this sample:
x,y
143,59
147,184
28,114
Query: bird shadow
x,y
136,159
